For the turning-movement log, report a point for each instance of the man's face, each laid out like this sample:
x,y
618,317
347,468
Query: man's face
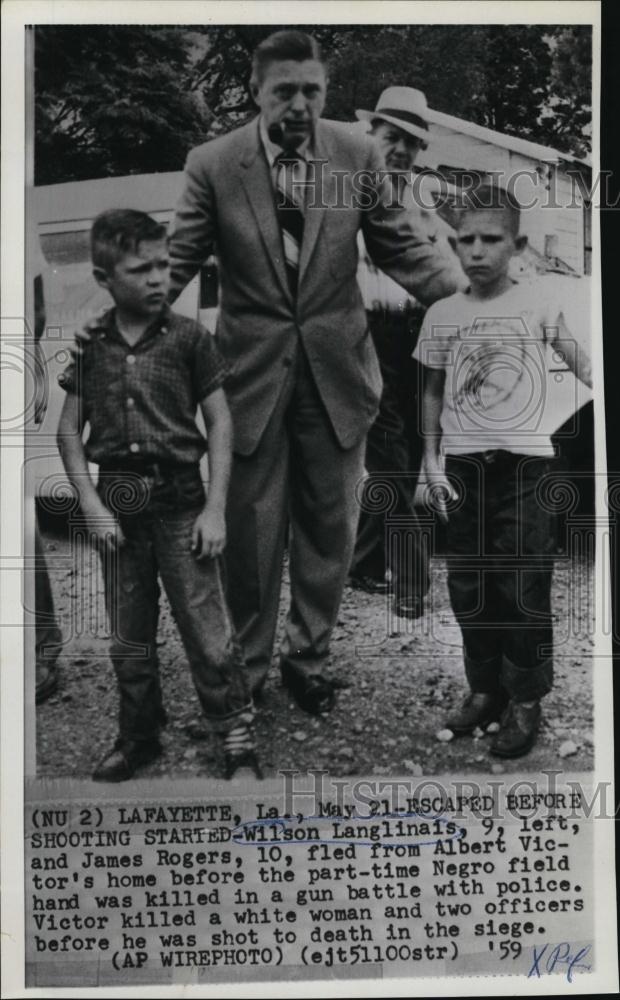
x,y
292,95
485,242
399,148
139,281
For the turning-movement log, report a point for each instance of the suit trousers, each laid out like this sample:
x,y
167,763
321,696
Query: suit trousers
x,y
297,489
393,459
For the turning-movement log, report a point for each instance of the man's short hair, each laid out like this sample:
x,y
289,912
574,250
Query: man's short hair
x,y
296,45
489,196
119,231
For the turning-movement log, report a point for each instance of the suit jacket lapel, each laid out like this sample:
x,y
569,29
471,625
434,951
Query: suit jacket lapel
x,y
321,193
259,192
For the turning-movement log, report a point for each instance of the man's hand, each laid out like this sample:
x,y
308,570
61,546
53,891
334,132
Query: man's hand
x,y
209,534
440,489
103,526
81,338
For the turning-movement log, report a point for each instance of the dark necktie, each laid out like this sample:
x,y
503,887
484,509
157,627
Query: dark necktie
x,y
290,215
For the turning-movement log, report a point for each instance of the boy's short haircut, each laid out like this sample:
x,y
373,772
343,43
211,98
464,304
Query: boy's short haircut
x,y
489,196
283,45
119,231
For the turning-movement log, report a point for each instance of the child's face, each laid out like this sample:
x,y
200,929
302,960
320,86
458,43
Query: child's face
x,y
485,243
139,282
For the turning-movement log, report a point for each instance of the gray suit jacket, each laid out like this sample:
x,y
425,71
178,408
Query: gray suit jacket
x,y
228,208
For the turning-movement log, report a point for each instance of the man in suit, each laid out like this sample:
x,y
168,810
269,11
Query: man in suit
x,y
280,201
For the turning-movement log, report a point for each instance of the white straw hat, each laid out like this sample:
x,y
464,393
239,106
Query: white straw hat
x,y
404,107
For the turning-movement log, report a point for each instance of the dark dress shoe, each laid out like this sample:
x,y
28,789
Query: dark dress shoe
x,y
478,710
246,761
314,694
518,729
408,607
369,584
126,757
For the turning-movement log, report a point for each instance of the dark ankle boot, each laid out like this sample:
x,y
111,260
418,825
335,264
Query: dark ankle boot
x,y
518,729
478,710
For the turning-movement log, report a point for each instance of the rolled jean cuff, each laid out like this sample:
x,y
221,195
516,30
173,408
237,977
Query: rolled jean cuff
x,y
224,723
483,676
527,684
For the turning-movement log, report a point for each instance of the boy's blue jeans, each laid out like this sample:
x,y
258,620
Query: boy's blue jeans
x,y
157,509
501,544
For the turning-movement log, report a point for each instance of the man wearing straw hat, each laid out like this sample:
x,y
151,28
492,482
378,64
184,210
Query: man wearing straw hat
x,y
399,125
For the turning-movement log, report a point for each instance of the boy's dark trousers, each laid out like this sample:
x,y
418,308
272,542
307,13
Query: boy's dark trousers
x,y
156,507
393,456
501,541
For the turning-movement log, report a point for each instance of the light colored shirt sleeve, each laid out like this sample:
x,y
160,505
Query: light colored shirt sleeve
x,y
434,347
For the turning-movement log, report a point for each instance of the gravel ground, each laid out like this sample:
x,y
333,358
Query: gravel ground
x,y
402,678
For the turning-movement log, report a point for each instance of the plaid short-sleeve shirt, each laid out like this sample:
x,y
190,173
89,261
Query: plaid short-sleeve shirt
x,y
141,401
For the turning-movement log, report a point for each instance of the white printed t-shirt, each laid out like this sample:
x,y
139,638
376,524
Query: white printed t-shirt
x,y
496,357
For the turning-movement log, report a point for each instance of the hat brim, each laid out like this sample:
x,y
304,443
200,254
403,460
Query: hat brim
x,y
369,116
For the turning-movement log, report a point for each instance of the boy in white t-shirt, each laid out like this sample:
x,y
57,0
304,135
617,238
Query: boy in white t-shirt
x,y
485,352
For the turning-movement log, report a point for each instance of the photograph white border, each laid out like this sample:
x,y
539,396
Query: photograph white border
x,y
15,15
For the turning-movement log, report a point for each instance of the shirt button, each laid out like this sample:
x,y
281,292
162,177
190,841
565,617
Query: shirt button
x,y
130,401
164,329
134,447
131,359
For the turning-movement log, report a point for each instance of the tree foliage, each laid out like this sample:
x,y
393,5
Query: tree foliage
x,y
113,100
571,74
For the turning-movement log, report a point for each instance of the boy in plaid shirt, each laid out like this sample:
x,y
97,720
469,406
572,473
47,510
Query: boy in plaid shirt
x,y
142,373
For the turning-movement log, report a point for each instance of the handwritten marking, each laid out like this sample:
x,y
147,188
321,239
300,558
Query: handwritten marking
x,y
558,956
